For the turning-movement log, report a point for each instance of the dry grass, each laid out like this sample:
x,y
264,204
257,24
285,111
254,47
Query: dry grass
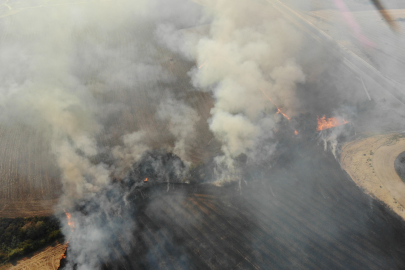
x,y
48,259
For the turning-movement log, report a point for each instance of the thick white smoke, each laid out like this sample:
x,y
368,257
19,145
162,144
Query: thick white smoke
x,y
56,61
42,92
245,59
182,120
59,58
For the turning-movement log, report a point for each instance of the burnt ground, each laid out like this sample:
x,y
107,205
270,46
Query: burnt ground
x,y
302,213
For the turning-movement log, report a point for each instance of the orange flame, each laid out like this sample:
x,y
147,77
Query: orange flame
x,y
63,256
295,132
278,109
70,222
324,123
146,179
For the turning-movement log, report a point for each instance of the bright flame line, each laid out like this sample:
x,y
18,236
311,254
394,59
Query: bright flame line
x,y
327,123
278,109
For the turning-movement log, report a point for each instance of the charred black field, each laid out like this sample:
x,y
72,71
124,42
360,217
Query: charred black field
x,y
301,212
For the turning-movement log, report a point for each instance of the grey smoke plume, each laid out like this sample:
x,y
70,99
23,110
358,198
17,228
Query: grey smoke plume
x,y
57,61
61,66
45,95
130,152
182,120
245,58
102,221
72,70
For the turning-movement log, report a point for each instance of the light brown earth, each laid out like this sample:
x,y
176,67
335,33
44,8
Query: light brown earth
x,y
27,208
370,163
48,259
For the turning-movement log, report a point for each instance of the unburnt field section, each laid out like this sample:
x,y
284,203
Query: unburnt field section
x,y
305,213
29,184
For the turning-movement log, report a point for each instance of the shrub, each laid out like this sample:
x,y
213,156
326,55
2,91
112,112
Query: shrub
x,y
20,236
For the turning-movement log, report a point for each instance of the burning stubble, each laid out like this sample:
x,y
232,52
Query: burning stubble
x,y
102,81
324,123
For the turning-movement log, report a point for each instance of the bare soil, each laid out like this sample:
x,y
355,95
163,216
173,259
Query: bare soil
x,y
370,163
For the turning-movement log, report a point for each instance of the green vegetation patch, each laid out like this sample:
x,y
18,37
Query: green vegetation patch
x,y
20,236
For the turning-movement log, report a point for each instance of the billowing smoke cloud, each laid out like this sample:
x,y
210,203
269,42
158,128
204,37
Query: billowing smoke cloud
x,y
73,70
246,59
132,149
45,95
68,69
182,119
61,68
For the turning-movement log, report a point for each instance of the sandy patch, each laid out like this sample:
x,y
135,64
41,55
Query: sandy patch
x,y
370,163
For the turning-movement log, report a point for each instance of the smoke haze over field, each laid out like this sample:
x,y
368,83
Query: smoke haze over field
x,y
57,60
246,59
74,53
125,90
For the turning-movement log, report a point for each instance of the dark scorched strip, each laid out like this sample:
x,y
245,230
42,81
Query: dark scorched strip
x,y
303,213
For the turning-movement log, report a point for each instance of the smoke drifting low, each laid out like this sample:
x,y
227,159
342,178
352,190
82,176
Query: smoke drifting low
x,y
117,89
70,71
246,60
104,224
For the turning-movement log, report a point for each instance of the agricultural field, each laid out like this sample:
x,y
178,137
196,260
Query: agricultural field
x,y
30,180
29,183
29,176
48,259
